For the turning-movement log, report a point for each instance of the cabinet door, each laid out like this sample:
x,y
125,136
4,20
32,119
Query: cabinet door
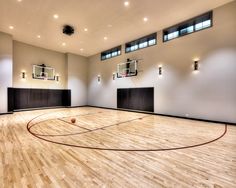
x,y
55,98
136,99
21,99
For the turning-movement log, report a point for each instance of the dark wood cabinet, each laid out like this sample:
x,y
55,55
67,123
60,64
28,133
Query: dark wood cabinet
x,y
22,98
136,99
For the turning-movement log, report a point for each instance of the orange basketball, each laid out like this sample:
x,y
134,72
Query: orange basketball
x,y
73,120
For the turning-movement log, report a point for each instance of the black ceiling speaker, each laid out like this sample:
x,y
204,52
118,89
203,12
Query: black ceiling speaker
x,y
68,30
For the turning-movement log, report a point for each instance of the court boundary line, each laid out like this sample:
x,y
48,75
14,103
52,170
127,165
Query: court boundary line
x,y
63,117
88,130
123,109
125,150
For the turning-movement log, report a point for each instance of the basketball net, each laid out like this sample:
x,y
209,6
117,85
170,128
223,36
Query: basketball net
x,y
45,76
123,75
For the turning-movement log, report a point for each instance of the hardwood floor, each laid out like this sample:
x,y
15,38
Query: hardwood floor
x,y
188,153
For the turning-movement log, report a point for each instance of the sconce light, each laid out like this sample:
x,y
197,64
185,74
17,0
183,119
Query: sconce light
x,y
195,66
114,76
160,70
57,78
23,75
99,78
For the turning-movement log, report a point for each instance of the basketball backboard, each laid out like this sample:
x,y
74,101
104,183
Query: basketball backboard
x,y
43,72
127,69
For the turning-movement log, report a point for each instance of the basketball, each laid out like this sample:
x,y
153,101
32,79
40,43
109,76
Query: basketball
x,y
73,120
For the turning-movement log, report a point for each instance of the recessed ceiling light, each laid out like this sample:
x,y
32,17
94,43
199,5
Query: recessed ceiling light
x,y
145,19
105,38
85,29
38,36
63,44
55,16
126,3
81,49
19,0
11,27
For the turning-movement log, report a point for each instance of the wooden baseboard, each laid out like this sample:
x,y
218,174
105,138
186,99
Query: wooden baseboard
x,y
167,115
6,113
77,106
121,109
44,108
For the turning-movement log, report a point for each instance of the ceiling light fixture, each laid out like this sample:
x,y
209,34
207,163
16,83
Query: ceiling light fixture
x,y
38,36
85,29
68,30
55,16
63,44
11,27
19,0
81,49
126,3
145,19
105,38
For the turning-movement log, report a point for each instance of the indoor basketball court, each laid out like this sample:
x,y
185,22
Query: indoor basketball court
x,y
117,93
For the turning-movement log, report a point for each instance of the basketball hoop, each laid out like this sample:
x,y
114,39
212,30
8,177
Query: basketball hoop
x,y
127,69
43,72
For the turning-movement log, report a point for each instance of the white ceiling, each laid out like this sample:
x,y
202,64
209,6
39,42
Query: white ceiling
x,y
35,17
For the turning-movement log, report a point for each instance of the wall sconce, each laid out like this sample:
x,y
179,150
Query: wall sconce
x,y
114,76
160,70
195,66
23,75
57,78
99,78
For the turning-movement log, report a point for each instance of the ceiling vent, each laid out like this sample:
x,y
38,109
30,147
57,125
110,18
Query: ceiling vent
x,y
68,30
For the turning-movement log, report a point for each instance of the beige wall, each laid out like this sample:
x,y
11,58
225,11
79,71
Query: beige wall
x,y
5,69
77,79
25,56
209,94
71,68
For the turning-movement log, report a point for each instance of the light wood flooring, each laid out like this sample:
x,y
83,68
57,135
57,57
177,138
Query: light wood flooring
x,y
109,148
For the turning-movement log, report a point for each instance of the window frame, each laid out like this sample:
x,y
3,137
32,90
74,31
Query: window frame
x,y
137,42
110,52
188,23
